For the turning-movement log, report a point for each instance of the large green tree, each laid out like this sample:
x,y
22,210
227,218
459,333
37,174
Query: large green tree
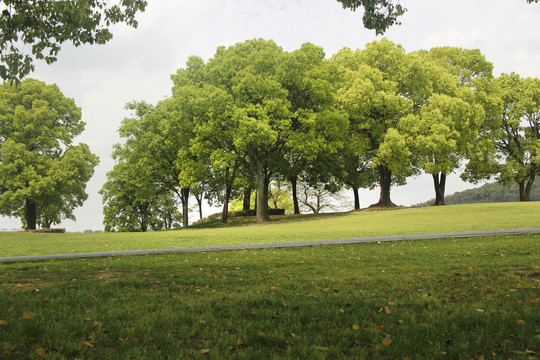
x,y
444,129
376,94
43,175
44,25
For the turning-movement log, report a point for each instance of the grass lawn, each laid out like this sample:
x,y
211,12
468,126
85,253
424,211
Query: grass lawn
x,y
475,298
445,219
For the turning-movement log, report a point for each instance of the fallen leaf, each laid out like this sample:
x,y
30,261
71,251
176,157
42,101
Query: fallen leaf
x,y
97,324
86,343
27,316
272,288
41,352
387,341
240,342
386,310
530,302
205,351
284,303
356,327
379,328
521,322
263,335
3,322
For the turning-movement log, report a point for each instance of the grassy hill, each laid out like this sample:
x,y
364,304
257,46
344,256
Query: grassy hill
x,y
489,193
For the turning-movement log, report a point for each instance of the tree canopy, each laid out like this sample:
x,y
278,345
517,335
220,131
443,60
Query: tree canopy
x,y
45,25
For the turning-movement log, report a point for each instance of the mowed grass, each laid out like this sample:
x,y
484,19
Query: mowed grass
x,y
445,219
475,298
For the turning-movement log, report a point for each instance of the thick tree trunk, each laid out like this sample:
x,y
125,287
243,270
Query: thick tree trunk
x,y
247,199
356,198
294,180
262,194
439,181
31,215
524,195
185,207
385,182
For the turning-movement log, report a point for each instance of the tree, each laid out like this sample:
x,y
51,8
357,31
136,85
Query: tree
x,y
375,95
379,15
445,127
137,195
128,201
45,25
160,137
517,139
42,174
252,118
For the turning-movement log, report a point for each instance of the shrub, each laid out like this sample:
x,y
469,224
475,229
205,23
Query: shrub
x,y
56,231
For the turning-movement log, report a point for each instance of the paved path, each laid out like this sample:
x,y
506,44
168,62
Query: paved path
x,y
276,245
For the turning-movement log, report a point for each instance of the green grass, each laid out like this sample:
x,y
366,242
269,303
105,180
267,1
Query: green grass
x,y
361,224
474,298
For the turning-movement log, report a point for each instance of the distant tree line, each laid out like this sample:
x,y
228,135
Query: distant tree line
x,y
255,114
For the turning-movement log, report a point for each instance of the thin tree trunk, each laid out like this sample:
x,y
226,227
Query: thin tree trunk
x,y
294,180
31,215
225,211
185,207
385,182
356,198
262,194
439,181
199,202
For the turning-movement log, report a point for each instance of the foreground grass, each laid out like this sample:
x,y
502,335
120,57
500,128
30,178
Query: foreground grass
x,y
445,219
472,298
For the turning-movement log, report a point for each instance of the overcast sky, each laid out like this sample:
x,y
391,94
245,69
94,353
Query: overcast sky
x,y
137,63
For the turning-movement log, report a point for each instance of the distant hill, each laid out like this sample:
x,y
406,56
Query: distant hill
x,y
488,193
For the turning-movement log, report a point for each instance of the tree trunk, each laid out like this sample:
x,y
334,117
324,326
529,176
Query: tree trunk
x,y
356,198
225,211
247,199
262,193
294,180
385,182
523,194
439,180
31,215
185,207
199,202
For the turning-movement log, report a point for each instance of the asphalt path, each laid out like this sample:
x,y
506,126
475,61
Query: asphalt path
x,y
276,245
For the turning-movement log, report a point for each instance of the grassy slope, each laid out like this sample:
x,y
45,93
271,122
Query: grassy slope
x,y
498,216
473,298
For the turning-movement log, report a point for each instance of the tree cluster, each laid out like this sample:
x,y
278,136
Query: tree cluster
x,y
254,114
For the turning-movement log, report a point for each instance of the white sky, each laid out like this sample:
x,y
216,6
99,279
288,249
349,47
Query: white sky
x,y
137,63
